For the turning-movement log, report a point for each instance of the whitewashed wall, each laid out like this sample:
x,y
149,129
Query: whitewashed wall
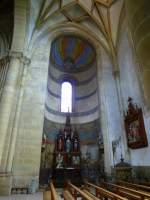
x,y
131,86
85,95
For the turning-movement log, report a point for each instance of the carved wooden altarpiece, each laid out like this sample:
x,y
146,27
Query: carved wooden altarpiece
x,y
67,156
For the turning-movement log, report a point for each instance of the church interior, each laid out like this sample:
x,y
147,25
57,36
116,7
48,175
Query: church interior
x,y
75,99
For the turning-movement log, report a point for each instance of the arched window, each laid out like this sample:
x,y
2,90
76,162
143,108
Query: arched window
x,y
66,97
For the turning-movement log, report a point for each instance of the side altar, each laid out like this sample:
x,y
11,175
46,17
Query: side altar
x,y
67,156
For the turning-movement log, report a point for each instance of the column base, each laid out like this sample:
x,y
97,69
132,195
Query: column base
x,y
5,183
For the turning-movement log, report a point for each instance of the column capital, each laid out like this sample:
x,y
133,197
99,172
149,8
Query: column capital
x,y
116,73
15,54
19,55
4,60
25,60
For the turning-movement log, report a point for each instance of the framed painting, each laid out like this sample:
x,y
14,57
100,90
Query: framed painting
x,y
134,126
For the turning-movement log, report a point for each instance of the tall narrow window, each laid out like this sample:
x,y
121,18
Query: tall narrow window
x,y
66,97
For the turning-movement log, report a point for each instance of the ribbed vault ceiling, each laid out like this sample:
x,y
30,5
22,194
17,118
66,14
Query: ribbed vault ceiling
x,y
102,17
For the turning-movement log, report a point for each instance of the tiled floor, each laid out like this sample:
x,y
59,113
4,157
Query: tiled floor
x,y
37,196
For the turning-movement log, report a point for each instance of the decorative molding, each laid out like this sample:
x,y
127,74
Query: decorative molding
x,y
78,83
86,96
25,60
74,114
116,73
15,55
4,60
76,98
53,94
19,55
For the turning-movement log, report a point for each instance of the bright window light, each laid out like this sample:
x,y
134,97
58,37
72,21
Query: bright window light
x,y
66,97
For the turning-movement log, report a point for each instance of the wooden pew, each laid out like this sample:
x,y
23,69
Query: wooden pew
x,y
67,195
47,195
103,193
145,183
53,192
134,186
128,192
90,194
75,191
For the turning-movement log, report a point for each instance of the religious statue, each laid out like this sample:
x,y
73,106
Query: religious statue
x,y
75,145
68,144
75,142
75,160
59,161
60,142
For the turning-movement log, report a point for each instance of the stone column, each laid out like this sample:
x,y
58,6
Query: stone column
x,y
25,62
124,147
138,14
103,116
7,115
7,103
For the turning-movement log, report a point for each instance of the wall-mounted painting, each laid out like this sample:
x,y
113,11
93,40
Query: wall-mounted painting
x,y
134,126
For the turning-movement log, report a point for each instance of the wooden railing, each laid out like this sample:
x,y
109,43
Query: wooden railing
x,y
128,192
103,193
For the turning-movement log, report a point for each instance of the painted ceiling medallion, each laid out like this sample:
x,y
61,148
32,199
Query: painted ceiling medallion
x,y
72,53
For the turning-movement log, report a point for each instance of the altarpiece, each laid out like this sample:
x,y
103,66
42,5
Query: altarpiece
x,y
67,156
134,126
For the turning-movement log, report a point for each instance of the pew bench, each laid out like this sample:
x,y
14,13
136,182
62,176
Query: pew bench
x,y
76,192
128,192
103,193
50,194
67,195
47,195
90,194
134,186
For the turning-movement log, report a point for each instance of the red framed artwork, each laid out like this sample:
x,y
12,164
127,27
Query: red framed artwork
x,y
134,126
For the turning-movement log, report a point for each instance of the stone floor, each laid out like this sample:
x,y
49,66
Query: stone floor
x,y
37,196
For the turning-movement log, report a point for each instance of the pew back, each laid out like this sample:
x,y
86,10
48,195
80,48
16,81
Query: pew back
x,y
101,192
134,194
54,195
46,195
75,190
67,195
134,186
